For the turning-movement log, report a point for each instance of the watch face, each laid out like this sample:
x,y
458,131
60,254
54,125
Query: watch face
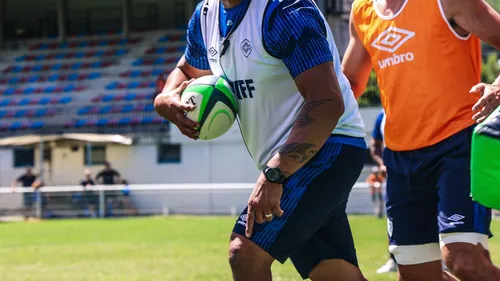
x,y
273,175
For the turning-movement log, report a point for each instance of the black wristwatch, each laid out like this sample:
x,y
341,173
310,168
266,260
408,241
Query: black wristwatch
x,y
274,175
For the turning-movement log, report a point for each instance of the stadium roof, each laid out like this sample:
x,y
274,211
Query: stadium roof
x,y
94,138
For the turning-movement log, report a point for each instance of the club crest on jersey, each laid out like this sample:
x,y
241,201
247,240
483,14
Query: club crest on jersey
x,y
246,47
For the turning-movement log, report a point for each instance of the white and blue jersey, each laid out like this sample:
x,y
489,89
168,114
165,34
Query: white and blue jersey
x,y
261,47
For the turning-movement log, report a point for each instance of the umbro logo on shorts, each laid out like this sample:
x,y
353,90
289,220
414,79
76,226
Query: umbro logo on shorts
x,y
243,220
390,41
456,219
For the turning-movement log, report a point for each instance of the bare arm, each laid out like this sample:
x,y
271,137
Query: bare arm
x,y
318,117
168,104
356,64
476,17
376,148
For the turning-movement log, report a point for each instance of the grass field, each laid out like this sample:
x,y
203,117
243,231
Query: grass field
x,y
152,249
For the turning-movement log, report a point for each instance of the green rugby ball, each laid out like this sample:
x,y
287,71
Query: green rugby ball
x,y
216,107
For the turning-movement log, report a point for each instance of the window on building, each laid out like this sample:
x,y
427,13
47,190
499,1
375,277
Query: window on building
x,y
168,153
24,157
97,154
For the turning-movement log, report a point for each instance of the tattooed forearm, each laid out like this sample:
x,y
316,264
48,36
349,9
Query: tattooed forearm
x,y
300,152
305,118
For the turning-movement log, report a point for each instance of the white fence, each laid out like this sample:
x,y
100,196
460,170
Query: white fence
x,y
150,199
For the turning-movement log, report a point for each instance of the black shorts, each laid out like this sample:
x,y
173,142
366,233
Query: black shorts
x,y
314,226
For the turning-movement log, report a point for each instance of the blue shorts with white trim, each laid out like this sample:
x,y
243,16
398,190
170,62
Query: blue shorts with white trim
x,y
428,193
314,226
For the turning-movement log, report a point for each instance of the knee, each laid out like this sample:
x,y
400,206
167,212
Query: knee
x,y
241,253
464,260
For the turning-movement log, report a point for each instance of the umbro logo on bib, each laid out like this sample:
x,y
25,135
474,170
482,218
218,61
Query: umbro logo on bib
x,y
212,51
246,47
390,41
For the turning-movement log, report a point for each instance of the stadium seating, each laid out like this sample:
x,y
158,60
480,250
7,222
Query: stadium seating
x,y
84,44
33,112
36,101
156,61
125,121
126,108
73,55
143,73
46,90
57,66
123,97
170,38
130,85
164,50
51,78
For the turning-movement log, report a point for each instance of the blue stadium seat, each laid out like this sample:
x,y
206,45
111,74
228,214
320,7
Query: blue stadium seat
x,y
83,44
130,96
100,53
64,45
4,102
103,43
37,68
40,57
65,100
159,61
112,85
16,126
127,108
53,77
147,120
24,102
160,50
2,113
73,77
106,109
33,78
102,122
157,72
138,62
43,46
49,89
28,90
84,110
163,39
60,56
96,64
21,58
69,88
135,73
56,66
181,49
120,52
44,101
80,123
124,121
41,112
107,98
94,75
37,124
79,55
76,65
9,91
17,69
133,84
123,41
20,113
14,80
149,107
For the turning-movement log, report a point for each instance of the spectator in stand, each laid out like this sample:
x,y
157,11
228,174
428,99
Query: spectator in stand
x,y
108,176
26,180
89,198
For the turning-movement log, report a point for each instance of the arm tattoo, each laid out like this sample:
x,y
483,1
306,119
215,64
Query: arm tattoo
x,y
300,152
305,118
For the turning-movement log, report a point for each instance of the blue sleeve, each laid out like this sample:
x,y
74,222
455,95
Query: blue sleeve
x,y
295,32
196,53
377,129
